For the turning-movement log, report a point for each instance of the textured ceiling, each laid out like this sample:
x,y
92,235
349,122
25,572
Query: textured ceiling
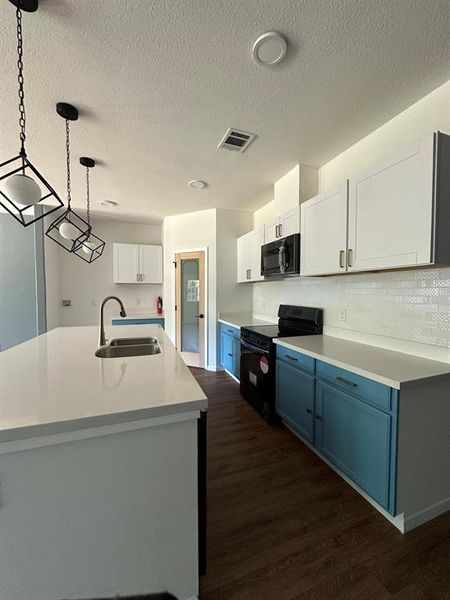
x,y
159,82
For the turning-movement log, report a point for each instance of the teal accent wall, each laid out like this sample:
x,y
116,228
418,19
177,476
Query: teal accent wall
x,y
22,282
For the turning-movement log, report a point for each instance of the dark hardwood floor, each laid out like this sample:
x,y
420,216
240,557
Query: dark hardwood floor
x,y
283,526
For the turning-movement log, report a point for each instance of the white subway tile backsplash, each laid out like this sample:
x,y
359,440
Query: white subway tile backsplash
x,y
408,311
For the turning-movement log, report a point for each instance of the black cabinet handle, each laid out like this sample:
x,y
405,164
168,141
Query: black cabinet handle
x,y
346,382
318,417
230,355
230,331
309,411
291,357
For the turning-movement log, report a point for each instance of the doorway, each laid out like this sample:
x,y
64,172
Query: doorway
x,y
190,307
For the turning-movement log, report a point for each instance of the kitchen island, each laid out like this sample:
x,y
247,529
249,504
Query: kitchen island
x,y
98,469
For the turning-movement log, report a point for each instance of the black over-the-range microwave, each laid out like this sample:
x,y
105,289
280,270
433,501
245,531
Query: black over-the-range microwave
x,y
281,258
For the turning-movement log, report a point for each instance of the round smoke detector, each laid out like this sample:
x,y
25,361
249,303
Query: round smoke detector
x,y
198,184
270,48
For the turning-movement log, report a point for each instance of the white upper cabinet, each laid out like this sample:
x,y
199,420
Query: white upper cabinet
x,y
249,256
282,225
324,232
391,212
397,215
150,264
137,263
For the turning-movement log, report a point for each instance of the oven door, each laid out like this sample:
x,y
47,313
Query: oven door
x,y
257,379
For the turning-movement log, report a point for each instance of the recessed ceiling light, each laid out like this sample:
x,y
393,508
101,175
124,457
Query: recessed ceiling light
x,y
107,203
270,48
198,184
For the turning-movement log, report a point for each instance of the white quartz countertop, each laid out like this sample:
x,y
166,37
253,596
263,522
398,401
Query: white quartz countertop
x,y
394,369
243,319
54,383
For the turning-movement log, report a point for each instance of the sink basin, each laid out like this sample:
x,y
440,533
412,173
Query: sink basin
x,y
137,341
124,347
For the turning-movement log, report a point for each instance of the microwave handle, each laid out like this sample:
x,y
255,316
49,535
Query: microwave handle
x,y
282,258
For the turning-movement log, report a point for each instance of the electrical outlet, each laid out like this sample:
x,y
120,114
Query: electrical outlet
x,y
138,301
66,302
343,315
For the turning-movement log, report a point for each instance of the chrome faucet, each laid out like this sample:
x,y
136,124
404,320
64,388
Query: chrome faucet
x,y
123,313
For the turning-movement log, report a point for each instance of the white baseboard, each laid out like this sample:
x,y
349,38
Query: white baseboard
x,y
213,368
426,514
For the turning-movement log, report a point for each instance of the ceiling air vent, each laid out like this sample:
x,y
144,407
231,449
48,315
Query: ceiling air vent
x,y
235,139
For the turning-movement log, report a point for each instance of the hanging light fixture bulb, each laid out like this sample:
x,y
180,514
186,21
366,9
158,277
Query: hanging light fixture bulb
x,y
92,248
69,230
20,194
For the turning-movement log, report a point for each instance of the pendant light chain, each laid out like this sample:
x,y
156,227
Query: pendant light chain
x,y
88,197
20,80
69,197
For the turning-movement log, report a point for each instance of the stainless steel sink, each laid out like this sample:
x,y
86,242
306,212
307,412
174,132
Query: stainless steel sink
x,y
124,347
138,341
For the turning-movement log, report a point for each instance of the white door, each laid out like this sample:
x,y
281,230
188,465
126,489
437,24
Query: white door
x,y
243,263
150,264
324,232
126,263
256,240
390,212
271,230
290,222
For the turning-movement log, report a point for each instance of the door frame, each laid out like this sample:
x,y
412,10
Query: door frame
x,y
206,319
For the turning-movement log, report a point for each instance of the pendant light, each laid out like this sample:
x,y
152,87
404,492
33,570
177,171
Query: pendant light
x,y
22,187
69,230
92,248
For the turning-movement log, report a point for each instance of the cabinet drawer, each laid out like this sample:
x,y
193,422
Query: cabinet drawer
x,y
230,330
295,359
372,392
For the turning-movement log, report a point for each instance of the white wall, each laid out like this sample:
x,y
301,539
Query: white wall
x,y
191,231
87,284
405,310
217,231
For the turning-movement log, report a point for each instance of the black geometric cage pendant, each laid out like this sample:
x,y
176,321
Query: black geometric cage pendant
x,y
69,230
93,247
11,185
24,192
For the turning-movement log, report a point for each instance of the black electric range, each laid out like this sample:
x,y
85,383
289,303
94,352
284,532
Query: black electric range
x,y
258,354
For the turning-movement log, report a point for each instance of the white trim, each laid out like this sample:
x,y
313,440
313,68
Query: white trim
x,y
232,376
93,432
426,514
398,521
205,249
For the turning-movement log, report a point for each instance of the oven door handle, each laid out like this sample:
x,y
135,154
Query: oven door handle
x,y
254,348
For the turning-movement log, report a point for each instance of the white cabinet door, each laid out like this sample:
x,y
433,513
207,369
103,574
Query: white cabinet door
x,y
324,232
150,264
256,240
271,230
390,212
290,222
243,262
126,263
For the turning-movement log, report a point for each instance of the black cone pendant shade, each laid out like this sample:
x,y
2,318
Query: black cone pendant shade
x,y
69,230
92,248
24,192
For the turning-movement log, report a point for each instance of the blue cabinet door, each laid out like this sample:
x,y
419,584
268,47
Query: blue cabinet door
x,y
356,437
226,352
295,399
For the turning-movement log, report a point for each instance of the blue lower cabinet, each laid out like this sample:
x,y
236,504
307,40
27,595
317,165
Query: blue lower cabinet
x,y
140,321
230,349
226,352
295,399
358,439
